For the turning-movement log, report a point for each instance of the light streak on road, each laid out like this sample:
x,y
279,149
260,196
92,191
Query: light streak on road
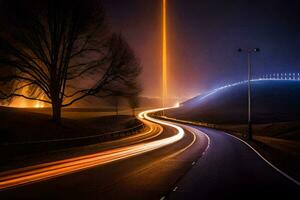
x,y
58,168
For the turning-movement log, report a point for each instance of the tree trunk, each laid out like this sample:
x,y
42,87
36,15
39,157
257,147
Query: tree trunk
x,y
56,112
117,108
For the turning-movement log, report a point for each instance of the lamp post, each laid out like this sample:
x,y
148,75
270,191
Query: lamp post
x,y
249,53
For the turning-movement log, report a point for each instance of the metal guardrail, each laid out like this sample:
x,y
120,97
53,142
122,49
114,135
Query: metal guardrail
x,y
215,126
12,149
104,135
204,124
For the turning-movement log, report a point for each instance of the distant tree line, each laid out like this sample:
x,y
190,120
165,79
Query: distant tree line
x,y
63,51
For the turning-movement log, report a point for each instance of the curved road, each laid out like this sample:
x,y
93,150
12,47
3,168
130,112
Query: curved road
x,y
198,164
230,169
144,170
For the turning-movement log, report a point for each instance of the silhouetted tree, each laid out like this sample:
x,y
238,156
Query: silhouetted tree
x,y
127,66
6,87
62,49
133,96
134,103
115,101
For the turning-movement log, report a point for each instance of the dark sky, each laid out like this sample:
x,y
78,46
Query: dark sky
x,y
203,38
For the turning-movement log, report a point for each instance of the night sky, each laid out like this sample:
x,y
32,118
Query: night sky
x,y
204,37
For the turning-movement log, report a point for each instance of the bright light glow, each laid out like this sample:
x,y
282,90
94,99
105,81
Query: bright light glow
x,y
164,55
39,104
177,105
20,102
53,169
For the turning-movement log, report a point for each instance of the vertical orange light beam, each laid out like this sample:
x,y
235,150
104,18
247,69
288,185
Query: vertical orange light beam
x,y
164,54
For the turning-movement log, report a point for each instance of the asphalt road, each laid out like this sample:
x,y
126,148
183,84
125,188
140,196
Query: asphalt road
x,y
203,164
149,175
230,169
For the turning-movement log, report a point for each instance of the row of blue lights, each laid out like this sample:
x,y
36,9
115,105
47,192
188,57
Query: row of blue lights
x,y
264,78
282,76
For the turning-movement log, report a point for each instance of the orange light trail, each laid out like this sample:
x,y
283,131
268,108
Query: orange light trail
x,y
164,55
58,168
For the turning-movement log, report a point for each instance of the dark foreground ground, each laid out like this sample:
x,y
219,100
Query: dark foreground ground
x,y
26,131
22,125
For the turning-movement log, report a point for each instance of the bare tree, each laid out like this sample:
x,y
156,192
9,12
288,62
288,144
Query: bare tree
x,y
62,50
134,103
132,96
115,101
6,87
127,68
130,91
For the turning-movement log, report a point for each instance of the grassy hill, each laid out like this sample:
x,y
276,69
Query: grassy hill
x,y
272,101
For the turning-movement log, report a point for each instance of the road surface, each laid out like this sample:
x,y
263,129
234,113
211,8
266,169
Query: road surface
x,y
144,170
200,163
230,169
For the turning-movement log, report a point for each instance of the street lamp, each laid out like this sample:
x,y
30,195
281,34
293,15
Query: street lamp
x,y
249,52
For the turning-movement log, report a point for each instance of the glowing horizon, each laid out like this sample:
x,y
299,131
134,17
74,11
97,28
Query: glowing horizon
x,y
21,102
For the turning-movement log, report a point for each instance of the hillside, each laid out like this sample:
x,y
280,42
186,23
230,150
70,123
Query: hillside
x,y
272,101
